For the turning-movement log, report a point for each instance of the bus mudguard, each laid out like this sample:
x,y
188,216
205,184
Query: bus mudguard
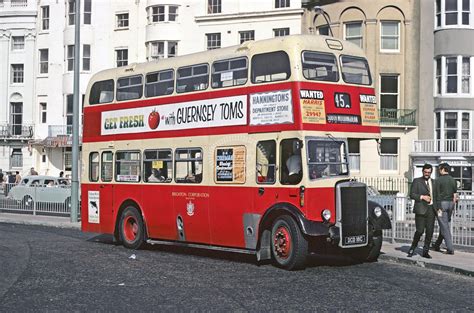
x,y
307,227
378,222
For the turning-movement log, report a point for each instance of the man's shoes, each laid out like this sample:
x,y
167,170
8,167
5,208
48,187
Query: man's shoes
x,y
426,255
411,252
449,252
436,248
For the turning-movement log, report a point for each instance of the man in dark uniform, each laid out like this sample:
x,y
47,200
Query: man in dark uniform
x,y
423,192
446,194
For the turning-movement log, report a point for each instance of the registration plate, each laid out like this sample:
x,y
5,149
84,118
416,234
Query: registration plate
x,y
355,240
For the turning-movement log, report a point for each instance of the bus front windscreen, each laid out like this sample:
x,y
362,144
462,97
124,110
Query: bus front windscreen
x,y
327,158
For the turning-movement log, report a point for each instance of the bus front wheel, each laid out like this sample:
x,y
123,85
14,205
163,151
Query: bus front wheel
x,y
131,228
289,247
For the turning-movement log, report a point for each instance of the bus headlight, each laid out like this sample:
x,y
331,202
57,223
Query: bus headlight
x,y
378,211
326,214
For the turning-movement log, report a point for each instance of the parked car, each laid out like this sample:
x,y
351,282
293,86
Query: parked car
x,y
40,188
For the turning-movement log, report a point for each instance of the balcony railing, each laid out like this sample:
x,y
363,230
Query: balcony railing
x,y
16,131
397,117
13,3
61,130
444,145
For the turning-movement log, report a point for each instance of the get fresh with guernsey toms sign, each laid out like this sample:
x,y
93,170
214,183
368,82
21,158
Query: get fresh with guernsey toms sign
x,y
226,111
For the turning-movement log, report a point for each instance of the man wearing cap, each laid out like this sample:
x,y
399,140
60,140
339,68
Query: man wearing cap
x,y
446,193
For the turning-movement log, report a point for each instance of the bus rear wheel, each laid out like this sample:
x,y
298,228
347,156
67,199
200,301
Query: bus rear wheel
x,y
131,228
289,247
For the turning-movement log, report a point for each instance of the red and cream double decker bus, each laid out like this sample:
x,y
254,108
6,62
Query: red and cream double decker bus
x,y
239,149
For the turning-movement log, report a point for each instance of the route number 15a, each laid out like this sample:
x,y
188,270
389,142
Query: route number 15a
x,y
342,100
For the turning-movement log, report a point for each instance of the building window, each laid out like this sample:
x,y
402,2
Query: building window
x,y
389,36
43,112
122,20
162,49
453,75
453,13
323,30
71,12
172,13
389,154
453,131
17,74
389,95
282,4
87,12
353,33
158,13
69,113
213,41
280,32
466,75
43,60
247,35
121,56
70,58
86,57
16,158
163,13
214,6
18,42
354,154
45,17
68,159
16,118
451,70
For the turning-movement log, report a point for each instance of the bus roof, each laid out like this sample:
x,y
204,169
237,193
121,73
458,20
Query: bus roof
x,y
295,43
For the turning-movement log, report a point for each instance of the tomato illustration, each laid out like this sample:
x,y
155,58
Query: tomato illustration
x,y
154,119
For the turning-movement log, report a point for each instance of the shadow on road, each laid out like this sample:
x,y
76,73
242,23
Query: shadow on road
x,y
314,260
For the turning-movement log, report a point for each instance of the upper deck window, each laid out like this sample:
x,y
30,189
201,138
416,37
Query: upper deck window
x,y
129,88
192,78
355,70
102,92
159,83
320,66
270,67
227,73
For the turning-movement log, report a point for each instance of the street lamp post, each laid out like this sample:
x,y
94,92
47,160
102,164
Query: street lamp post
x,y
75,115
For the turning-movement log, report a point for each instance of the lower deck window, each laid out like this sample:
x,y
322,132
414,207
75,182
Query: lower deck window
x,y
127,166
158,166
188,165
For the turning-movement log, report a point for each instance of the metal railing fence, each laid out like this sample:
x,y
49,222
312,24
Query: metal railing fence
x,y
400,210
31,202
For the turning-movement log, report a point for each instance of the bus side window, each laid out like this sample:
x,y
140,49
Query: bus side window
x,y
102,92
107,166
228,73
192,78
127,166
291,171
157,166
129,88
159,83
266,162
319,66
188,165
229,166
270,67
94,166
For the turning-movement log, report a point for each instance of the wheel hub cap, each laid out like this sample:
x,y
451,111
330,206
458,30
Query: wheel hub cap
x,y
282,242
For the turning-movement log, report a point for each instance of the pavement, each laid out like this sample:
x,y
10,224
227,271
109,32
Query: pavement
x,y
462,262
